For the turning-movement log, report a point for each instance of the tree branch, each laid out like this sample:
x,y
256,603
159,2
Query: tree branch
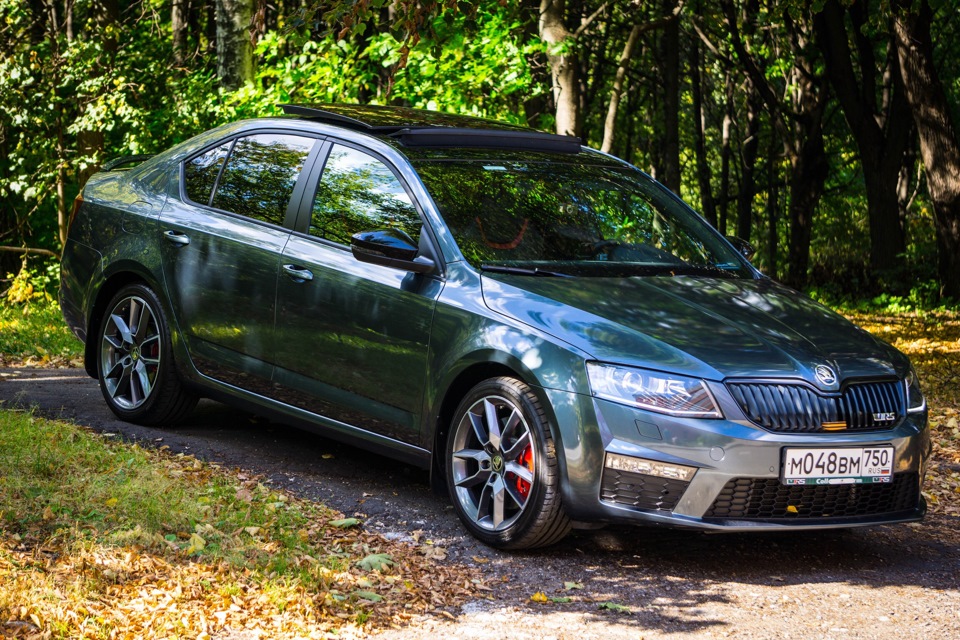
x,y
773,103
610,123
586,22
42,252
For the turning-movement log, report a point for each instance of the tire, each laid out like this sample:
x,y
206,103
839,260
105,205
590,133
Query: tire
x,y
504,481
135,365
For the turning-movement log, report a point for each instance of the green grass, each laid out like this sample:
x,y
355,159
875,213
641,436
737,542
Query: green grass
x,y
120,533
36,331
58,477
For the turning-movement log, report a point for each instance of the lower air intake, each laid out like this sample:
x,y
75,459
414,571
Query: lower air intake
x,y
767,499
641,491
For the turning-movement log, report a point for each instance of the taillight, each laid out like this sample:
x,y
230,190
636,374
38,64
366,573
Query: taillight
x,y
73,213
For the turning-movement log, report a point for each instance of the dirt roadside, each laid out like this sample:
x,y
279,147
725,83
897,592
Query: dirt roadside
x,y
620,582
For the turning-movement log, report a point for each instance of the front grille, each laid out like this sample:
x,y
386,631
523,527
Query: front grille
x,y
767,499
641,491
798,408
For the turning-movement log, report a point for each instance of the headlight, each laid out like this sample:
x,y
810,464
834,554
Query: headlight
x,y
664,393
915,400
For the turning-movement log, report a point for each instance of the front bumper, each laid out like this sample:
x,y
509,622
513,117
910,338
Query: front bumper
x,y
736,486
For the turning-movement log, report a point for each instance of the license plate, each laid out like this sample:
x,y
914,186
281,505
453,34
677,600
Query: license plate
x,y
841,465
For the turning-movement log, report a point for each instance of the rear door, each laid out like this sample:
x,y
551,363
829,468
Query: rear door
x,y
222,244
353,337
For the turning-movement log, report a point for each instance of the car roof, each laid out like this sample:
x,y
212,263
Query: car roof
x,y
426,131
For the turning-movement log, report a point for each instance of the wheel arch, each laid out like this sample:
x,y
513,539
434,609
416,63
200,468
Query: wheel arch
x,y
493,365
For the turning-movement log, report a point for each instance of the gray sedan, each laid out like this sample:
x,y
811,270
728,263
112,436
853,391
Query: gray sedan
x,y
557,337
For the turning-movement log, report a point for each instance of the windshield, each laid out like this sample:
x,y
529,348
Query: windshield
x,y
575,219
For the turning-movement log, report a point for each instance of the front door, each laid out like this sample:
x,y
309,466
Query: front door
x,y
353,338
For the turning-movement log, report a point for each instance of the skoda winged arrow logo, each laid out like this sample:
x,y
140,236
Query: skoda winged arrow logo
x,y
825,374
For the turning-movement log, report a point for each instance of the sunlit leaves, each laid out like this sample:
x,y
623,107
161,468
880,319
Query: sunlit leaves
x,y
932,341
344,523
376,562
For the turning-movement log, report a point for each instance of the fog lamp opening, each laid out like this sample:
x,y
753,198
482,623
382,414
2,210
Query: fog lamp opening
x,y
649,467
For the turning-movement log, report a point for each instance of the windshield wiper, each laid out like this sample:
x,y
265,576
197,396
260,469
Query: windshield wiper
x,y
522,271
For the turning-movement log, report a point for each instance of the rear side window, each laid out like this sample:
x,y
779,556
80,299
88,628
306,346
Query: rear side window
x,y
201,173
260,176
358,192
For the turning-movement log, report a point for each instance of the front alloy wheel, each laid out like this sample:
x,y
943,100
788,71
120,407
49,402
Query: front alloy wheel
x,y
502,468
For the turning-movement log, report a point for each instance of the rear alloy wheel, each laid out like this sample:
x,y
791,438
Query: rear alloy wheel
x,y
502,467
135,361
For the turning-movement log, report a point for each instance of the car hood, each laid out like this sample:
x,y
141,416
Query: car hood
x,y
710,328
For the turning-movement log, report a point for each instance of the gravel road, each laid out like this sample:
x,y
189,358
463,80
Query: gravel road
x,y
879,582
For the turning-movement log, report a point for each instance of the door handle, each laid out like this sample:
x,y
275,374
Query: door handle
x,y
177,238
298,274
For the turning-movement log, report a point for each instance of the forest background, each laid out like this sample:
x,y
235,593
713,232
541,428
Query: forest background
x,y
823,132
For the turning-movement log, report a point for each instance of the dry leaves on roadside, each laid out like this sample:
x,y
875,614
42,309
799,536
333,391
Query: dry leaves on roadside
x,y
932,341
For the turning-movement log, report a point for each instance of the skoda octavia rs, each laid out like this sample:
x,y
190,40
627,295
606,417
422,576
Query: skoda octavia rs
x,y
555,336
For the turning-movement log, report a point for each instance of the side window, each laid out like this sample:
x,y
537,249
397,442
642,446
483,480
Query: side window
x,y
357,193
260,175
201,172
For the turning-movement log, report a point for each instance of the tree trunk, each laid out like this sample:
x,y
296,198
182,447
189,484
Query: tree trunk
x,y
704,177
610,125
773,207
670,55
234,51
798,120
807,178
877,128
210,26
180,23
908,184
68,19
62,220
38,18
939,144
748,163
628,143
564,71
725,163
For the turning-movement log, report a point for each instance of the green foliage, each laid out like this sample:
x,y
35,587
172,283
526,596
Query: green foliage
x,y
117,81
36,333
482,71
922,297
61,94
33,284
31,324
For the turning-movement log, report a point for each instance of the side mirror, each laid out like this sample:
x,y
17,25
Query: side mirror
x,y
389,248
745,248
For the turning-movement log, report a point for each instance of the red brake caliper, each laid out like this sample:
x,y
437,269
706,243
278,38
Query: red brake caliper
x,y
526,460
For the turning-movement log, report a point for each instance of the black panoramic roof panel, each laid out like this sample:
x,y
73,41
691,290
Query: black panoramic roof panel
x,y
453,137
380,118
418,128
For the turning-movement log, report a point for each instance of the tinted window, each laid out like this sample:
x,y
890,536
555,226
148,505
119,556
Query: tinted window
x,y
357,193
260,175
201,173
